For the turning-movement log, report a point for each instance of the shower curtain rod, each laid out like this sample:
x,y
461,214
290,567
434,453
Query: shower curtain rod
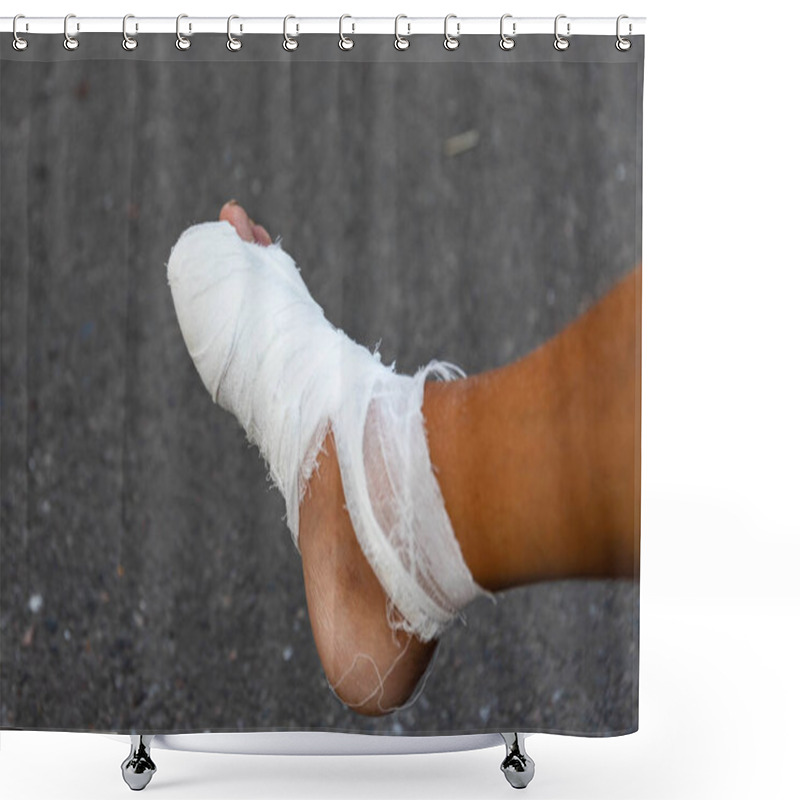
x,y
347,25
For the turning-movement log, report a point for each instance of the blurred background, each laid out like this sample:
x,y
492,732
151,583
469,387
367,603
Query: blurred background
x,y
463,206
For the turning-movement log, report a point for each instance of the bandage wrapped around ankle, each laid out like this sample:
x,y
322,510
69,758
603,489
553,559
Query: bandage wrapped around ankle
x,y
266,353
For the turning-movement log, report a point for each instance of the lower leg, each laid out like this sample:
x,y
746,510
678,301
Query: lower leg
x,y
538,461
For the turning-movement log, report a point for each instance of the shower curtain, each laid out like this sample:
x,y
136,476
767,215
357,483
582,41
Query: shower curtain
x,y
471,206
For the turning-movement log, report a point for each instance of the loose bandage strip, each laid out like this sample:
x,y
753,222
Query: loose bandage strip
x,y
266,353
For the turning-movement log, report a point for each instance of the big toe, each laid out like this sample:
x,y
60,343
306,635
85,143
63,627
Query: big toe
x,y
235,215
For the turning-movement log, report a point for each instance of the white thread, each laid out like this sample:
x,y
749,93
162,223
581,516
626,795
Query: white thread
x,y
266,353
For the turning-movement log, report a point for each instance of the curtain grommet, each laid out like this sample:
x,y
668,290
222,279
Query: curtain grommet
x,y
507,42
233,44
451,42
622,44
290,43
182,42
345,42
401,42
561,43
19,44
70,42
128,42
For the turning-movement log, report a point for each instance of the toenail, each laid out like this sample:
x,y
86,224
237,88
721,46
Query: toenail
x,y
232,203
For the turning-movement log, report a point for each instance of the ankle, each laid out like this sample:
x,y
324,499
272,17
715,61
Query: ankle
x,y
448,411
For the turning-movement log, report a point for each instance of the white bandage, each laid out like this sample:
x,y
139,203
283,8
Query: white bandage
x,y
266,353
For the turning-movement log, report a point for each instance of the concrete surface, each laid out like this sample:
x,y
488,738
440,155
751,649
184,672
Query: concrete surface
x,y
148,580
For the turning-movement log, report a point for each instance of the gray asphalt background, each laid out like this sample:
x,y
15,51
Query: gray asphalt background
x,y
148,580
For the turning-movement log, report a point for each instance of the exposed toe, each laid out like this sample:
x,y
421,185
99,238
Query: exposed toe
x,y
234,214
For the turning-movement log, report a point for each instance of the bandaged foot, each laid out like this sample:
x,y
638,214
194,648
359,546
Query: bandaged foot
x,y
344,438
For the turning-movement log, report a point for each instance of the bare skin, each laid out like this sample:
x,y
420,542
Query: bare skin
x,y
538,464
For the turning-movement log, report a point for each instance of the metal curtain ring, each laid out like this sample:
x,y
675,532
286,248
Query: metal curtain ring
x,y
451,42
182,43
233,44
345,42
70,42
19,43
561,43
507,42
289,43
128,42
400,42
623,44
